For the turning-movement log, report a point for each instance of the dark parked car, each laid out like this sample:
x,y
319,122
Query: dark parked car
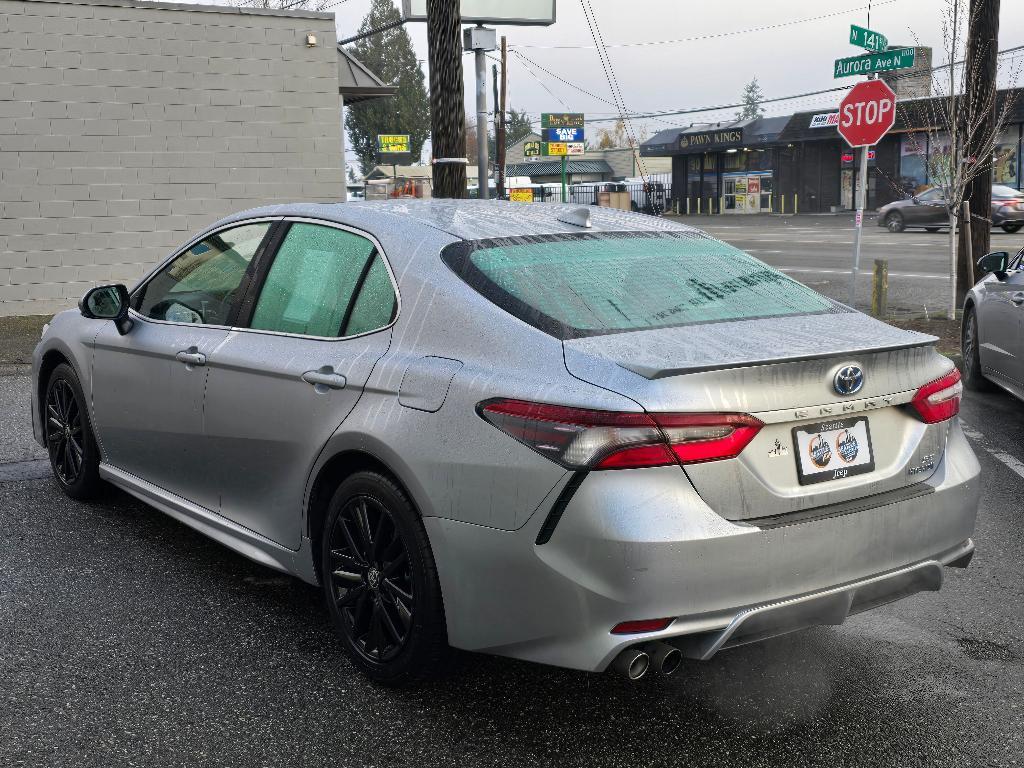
x,y
928,210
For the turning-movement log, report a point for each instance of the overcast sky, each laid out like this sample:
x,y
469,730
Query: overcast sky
x,y
710,49
793,57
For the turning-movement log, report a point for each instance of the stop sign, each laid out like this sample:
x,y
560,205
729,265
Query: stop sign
x,y
867,113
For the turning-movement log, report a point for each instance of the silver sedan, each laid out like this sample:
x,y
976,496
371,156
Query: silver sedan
x,y
582,437
993,325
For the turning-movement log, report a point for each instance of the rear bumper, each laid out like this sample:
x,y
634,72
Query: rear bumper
x,y
1003,215
641,544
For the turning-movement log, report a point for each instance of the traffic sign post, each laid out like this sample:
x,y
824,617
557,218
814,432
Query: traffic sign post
x,y
865,116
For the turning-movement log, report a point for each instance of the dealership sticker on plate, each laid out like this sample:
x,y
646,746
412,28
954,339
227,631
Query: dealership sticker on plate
x,y
832,450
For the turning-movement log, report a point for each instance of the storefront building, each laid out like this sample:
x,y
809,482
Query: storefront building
x,y
800,164
720,168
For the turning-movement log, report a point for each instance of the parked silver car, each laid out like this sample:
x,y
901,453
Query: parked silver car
x,y
993,325
582,437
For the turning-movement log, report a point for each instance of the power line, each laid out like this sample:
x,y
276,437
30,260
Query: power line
x,y
710,36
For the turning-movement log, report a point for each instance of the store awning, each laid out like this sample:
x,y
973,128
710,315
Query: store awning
x,y
713,137
554,167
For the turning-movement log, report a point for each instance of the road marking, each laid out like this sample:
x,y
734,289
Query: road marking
x,y
1012,462
863,273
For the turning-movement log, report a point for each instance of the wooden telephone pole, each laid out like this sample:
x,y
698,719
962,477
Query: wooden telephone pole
x,y
499,124
981,68
447,108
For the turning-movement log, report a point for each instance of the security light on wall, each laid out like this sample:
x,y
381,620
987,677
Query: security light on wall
x,y
311,40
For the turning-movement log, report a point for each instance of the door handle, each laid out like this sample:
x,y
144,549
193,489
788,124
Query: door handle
x,y
325,378
1018,298
191,356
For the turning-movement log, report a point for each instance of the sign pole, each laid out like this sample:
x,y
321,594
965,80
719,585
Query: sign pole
x,y
564,190
862,183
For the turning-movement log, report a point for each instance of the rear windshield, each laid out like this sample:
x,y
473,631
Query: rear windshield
x,y
590,284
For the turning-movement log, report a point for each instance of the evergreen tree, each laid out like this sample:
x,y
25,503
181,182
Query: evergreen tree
x,y
751,99
391,57
519,125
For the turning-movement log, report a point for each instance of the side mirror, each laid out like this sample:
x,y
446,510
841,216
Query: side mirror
x,y
915,199
107,302
994,263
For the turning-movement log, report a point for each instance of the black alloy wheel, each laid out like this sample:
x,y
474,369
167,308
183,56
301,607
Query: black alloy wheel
x,y
371,579
1012,226
969,346
894,222
74,456
381,584
64,439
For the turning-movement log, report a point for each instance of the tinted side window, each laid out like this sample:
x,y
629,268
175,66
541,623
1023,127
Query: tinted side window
x,y
374,307
200,285
316,274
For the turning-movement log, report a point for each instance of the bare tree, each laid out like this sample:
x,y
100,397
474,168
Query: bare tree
x,y
963,136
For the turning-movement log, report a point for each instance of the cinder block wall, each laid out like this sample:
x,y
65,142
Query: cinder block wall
x,y
126,126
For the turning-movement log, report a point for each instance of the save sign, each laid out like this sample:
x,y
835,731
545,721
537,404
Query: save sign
x,y
867,113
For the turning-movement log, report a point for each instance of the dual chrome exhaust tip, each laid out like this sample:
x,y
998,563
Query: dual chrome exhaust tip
x,y
633,663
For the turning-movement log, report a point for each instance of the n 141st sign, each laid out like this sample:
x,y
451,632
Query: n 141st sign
x,y
867,113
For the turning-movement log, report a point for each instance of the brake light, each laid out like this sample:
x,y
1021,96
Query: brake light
x,y
579,438
940,399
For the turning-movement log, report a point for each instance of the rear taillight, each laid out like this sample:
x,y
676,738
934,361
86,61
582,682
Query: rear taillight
x,y
940,399
578,438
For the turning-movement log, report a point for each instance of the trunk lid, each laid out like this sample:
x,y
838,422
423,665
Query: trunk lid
x,y
782,371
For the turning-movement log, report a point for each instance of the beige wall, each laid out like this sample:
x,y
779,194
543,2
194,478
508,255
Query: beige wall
x,y
126,126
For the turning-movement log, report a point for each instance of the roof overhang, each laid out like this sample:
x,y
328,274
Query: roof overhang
x,y
358,84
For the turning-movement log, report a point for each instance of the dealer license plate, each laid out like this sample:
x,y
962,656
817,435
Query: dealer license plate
x,y
832,450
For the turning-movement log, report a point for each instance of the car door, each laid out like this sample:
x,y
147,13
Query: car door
x,y
1001,325
148,384
279,387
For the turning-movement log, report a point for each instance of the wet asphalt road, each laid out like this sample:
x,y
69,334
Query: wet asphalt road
x,y
126,639
818,251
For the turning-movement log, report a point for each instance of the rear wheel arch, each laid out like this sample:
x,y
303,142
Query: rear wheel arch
x,y
333,473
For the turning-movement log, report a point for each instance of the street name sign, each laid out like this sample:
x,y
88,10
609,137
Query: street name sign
x,y
867,113
563,134
901,58
561,120
869,39
388,143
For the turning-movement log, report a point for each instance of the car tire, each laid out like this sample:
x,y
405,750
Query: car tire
x,y
894,222
972,376
380,583
1012,226
67,432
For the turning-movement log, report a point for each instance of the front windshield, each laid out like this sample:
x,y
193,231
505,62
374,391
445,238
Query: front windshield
x,y
590,284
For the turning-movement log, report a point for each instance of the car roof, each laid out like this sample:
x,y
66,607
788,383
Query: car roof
x,y
465,219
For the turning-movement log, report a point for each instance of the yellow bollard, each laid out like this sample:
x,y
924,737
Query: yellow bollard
x,y
698,206
796,204
782,201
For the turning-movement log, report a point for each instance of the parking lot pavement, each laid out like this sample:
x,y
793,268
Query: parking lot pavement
x,y
818,251
128,639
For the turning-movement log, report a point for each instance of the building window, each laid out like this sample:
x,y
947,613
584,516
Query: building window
x,y
1005,158
914,162
734,161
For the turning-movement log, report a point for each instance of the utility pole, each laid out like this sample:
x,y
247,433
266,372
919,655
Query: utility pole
x,y
447,108
479,39
981,68
499,127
